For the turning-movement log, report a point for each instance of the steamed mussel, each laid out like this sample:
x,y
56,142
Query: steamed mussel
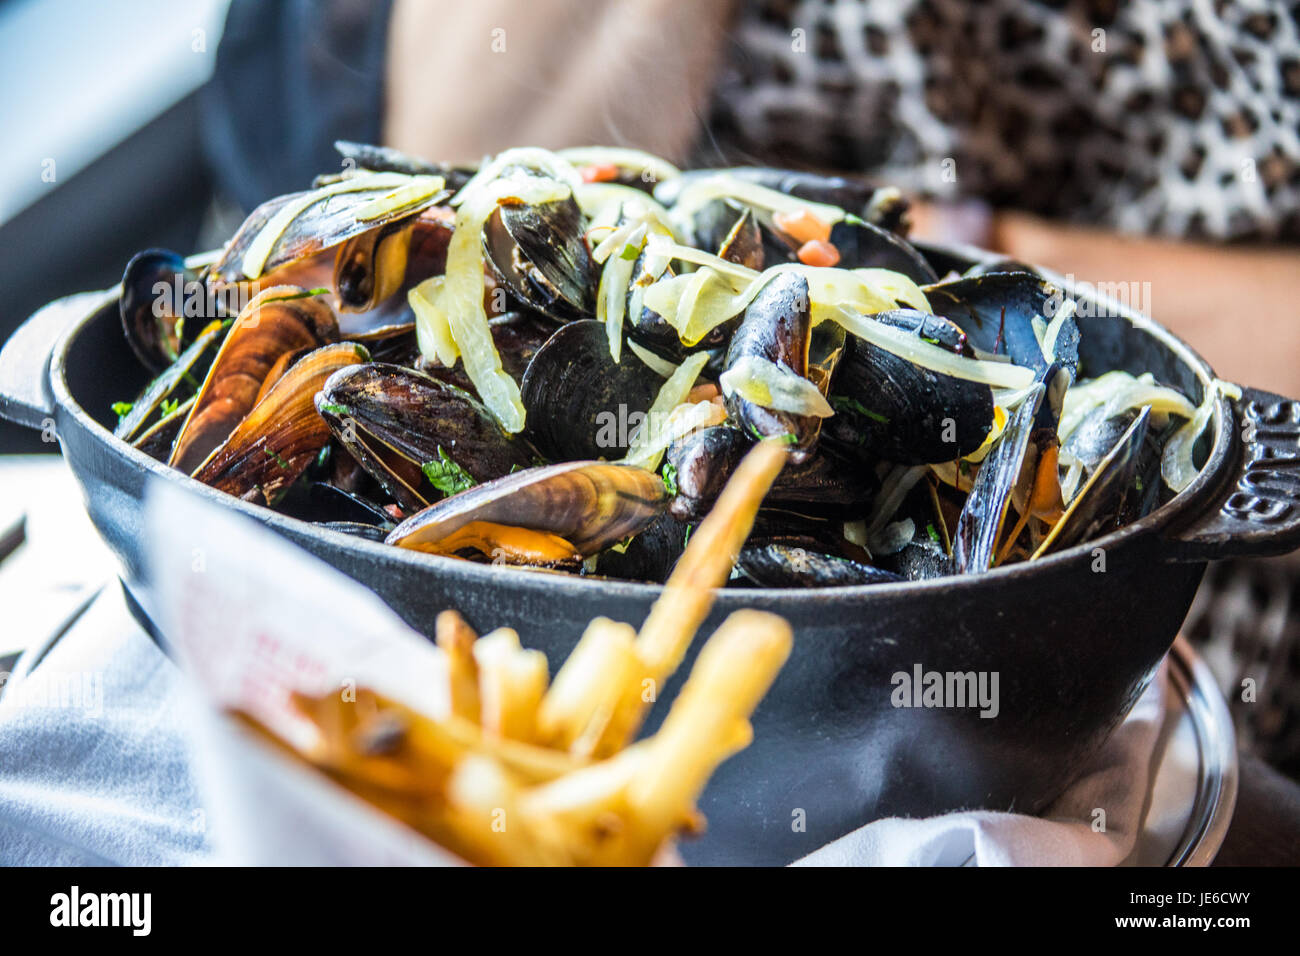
x,y
418,437
558,360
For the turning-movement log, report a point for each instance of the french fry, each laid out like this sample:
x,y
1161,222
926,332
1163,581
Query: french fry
x,y
733,672
511,684
482,813
530,762
688,594
456,638
515,773
590,683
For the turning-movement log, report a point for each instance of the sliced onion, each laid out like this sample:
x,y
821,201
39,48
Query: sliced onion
x,y
663,246
611,296
617,240
414,192
695,304
599,201
660,170
647,445
1064,312
1177,465
459,298
884,284
920,352
700,193
259,250
680,422
432,331
551,166
893,490
765,383
664,367
1119,392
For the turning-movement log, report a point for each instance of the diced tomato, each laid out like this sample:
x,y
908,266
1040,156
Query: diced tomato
x,y
817,252
803,226
599,173
702,393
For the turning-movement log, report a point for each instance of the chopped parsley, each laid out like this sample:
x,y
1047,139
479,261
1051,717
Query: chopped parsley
x,y
168,407
930,530
289,297
445,475
341,410
274,456
845,404
629,253
669,474
122,409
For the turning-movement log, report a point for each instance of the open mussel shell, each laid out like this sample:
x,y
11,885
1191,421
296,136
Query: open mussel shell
x,y
395,420
156,440
997,313
887,407
731,230
550,515
539,251
381,263
780,565
283,434
279,320
982,517
1099,506
776,327
319,220
162,300
190,368
743,243
1098,434
580,403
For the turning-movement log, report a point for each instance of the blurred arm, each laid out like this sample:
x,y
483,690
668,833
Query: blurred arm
x,y
469,79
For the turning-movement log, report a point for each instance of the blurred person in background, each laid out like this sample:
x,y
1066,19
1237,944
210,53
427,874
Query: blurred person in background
x,y
1148,143
1148,146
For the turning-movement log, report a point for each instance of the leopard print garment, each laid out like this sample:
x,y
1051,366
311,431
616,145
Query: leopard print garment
x,y
1176,117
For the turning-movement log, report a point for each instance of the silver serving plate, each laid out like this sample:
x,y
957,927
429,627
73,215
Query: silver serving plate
x,y
1194,790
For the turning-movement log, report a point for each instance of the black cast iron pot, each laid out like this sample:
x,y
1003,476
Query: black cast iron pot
x,y
1073,645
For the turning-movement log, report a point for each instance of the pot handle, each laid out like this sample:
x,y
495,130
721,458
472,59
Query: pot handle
x,y
25,360
1256,511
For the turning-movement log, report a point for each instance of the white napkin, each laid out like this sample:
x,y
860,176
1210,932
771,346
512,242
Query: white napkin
x,y
1096,822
